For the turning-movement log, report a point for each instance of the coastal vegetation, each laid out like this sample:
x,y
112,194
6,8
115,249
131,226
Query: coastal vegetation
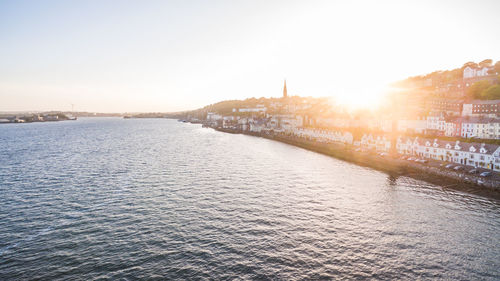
x,y
453,81
484,90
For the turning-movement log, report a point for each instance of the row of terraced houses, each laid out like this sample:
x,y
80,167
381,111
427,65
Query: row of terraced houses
x,y
470,154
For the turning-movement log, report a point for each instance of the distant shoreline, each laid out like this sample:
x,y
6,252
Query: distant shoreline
x,y
30,122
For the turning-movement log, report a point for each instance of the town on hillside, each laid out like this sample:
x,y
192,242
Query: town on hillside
x,y
448,117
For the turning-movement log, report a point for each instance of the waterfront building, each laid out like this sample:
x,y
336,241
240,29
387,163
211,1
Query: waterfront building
x,y
211,116
324,135
453,127
285,122
274,122
289,122
214,119
375,142
435,123
481,128
243,124
470,154
256,125
230,122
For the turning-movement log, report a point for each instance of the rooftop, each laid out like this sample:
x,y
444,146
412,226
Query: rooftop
x,y
464,146
484,102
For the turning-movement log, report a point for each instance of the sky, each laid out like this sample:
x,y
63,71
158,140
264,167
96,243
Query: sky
x,y
164,56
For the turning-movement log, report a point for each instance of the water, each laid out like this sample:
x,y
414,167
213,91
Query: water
x,y
153,198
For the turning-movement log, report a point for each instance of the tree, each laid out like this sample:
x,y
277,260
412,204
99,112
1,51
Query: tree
x,y
492,93
495,69
470,64
456,74
486,63
476,89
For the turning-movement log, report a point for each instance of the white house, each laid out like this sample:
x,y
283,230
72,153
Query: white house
x,y
323,135
243,123
288,123
378,143
436,122
256,125
211,116
470,72
471,154
482,128
258,108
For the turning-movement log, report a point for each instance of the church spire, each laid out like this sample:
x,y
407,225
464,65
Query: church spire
x,y
284,91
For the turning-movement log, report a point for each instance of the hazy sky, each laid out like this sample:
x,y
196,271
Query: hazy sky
x,y
117,56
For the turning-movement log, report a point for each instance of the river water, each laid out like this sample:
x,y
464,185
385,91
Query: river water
x,y
155,198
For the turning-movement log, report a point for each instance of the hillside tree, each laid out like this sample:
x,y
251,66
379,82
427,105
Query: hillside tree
x,y
486,63
475,90
492,93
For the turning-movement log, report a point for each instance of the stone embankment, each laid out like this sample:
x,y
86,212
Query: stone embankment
x,y
394,166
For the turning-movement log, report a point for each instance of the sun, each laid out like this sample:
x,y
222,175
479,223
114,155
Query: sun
x,y
367,96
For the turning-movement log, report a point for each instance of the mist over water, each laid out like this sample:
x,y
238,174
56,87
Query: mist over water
x,y
155,198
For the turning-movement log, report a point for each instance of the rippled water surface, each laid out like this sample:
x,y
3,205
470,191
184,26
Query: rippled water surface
x,y
153,198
